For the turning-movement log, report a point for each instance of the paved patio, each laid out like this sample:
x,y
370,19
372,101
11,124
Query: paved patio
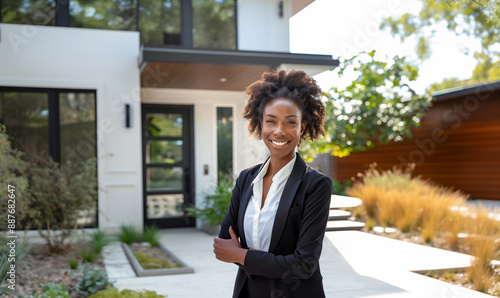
x,y
354,264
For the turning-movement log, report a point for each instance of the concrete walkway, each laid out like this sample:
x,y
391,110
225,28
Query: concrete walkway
x,y
354,264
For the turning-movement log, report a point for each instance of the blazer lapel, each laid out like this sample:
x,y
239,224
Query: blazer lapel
x,y
286,200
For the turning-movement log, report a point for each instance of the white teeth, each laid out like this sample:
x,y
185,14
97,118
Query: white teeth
x,y
279,143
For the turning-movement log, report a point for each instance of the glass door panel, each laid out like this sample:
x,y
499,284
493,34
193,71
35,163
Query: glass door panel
x,y
167,147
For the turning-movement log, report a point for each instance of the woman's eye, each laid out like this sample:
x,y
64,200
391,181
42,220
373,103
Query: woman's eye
x,y
292,122
269,121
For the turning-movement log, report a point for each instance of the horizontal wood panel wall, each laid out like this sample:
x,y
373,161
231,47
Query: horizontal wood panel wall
x,y
456,145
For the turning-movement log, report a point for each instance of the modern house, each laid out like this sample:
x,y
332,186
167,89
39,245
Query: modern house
x,y
456,145
153,89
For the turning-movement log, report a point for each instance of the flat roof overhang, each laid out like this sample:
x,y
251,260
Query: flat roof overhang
x,y
480,90
186,68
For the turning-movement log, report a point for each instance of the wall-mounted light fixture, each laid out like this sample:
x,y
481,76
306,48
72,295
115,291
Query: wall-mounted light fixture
x,y
280,7
127,115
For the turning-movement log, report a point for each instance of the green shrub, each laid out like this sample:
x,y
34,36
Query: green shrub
x,y
53,290
339,188
59,196
99,239
13,172
111,292
151,235
53,195
73,264
91,281
215,206
129,234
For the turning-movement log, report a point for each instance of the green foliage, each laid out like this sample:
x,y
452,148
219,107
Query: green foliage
x,y
378,106
99,239
339,188
479,19
111,292
129,234
91,281
59,196
53,290
88,256
12,172
99,14
151,235
53,195
214,207
23,247
148,262
73,264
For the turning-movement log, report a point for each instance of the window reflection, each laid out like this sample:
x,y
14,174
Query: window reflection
x,y
214,24
160,22
103,14
26,118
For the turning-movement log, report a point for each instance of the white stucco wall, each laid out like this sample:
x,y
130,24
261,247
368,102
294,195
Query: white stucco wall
x,y
260,28
101,60
246,150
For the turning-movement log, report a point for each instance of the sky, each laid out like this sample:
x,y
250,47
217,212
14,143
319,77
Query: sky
x,y
344,28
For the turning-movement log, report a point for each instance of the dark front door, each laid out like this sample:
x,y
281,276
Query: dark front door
x,y
168,178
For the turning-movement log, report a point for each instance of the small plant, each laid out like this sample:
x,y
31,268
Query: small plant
x,y
111,292
73,264
99,239
129,234
370,224
88,256
215,206
151,235
91,281
53,290
23,247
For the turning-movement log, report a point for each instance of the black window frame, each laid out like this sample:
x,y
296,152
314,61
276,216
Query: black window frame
x,y
62,19
54,126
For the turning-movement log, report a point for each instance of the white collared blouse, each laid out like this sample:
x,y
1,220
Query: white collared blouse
x,y
258,222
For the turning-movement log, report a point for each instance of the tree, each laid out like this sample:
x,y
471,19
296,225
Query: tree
x,y
478,18
379,105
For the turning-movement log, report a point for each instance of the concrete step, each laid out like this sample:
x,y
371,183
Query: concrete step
x,y
344,225
339,214
339,202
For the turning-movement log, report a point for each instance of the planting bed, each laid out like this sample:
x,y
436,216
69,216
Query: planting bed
x,y
44,267
148,261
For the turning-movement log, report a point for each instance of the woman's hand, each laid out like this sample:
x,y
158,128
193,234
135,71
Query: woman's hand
x,y
229,250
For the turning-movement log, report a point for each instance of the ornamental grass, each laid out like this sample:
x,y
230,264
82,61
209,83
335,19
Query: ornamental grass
x,y
393,198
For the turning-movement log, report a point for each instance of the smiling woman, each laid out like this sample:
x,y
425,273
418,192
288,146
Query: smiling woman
x,y
275,225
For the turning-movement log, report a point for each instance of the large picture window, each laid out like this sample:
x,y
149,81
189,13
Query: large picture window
x,y
60,124
206,24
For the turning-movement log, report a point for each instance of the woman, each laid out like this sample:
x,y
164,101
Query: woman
x,y
279,209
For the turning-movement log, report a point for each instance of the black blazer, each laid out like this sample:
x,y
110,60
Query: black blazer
x,y
291,267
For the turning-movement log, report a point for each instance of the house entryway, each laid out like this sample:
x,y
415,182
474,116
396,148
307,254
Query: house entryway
x,y
168,160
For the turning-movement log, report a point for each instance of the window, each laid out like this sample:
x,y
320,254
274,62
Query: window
x,y
214,24
160,22
104,14
225,140
60,124
208,24
33,12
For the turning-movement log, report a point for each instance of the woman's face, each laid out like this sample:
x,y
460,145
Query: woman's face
x,y
282,127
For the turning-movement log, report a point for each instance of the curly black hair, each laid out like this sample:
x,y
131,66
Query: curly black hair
x,y
295,85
